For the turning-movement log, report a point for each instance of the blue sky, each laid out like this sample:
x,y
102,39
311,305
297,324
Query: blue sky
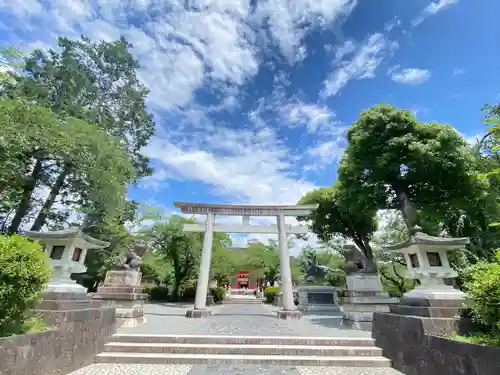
x,y
252,98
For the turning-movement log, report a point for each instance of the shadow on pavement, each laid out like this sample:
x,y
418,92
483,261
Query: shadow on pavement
x,y
333,322
164,314
246,314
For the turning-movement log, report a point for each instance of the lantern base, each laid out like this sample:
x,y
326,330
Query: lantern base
x,y
65,286
440,291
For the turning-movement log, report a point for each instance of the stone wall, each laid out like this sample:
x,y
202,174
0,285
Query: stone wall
x,y
76,337
413,345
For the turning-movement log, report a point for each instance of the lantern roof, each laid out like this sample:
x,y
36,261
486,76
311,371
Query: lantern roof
x,y
421,239
68,234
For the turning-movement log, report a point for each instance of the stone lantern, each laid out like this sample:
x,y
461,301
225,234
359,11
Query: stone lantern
x,y
427,260
67,250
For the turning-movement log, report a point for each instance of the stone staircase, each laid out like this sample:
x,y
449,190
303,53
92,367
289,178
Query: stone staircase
x,y
240,300
259,350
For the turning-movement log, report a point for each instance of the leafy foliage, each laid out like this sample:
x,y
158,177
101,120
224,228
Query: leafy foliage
x,y
219,294
404,164
24,273
340,213
10,60
483,290
224,259
181,249
94,124
392,267
270,293
159,293
322,267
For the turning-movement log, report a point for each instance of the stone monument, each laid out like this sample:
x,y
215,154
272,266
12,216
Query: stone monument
x,y
316,298
427,260
122,287
67,250
365,293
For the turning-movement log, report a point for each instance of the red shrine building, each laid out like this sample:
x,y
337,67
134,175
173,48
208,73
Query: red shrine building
x,y
242,280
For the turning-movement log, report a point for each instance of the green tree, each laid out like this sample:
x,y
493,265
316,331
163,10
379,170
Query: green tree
x,y
406,164
263,260
10,60
35,133
483,290
24,273
392,267
322,266
342,212
224,259
96,83
182,250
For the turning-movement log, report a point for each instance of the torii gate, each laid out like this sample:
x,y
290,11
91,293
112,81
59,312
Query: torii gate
x,y
246,211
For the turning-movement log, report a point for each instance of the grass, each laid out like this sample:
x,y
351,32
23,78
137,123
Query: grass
x,y
31,324
479,338
35,324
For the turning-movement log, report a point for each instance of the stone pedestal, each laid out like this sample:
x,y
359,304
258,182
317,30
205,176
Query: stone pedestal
x,y
122,291
433,288
289,315
318,298
429,308
363,297
57,301
278,299
202,313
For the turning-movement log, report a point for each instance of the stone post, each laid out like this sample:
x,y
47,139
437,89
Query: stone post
x,y
200,304
289,309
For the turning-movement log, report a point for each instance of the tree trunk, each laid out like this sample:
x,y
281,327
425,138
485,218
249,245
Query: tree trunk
x,y
370,264
364,245
49,202
407,208
23,207
177,287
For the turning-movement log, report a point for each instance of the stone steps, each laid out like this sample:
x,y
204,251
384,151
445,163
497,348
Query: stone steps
x,y
242,301
243,349
218,359
263,350
249,340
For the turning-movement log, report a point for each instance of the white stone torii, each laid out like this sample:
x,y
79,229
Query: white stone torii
x,y
246,211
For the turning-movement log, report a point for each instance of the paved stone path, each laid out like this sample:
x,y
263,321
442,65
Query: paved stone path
x,y
235,319
122,369
254,320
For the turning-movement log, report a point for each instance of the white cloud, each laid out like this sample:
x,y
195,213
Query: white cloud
x,y
325,153
473,139
411,76
155,182
432,9
394,22
289,21
216,46
318,119
246,166
180,48
344,50
458,72
362,65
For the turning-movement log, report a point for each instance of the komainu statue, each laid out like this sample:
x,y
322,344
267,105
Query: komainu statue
x,y
356,262
130,258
